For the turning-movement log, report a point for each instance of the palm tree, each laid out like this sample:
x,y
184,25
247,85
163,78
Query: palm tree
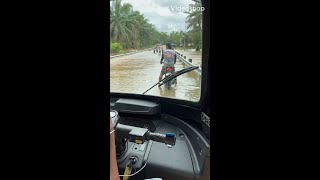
x,y
194,18
123,23
194,22
131,29
145,30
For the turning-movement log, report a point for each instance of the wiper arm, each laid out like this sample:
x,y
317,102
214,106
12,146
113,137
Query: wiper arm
x,y
174,75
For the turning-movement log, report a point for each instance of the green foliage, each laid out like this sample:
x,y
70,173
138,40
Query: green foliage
x,y
195,37
115,47
175,38
194,23
123,24
132,30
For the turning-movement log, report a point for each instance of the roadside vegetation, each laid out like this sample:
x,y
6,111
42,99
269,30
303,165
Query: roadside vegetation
x,y
130,30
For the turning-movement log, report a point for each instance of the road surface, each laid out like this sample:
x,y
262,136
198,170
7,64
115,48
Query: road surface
x,y
136,73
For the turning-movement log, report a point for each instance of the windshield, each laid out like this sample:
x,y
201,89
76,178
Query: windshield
x,y
152,39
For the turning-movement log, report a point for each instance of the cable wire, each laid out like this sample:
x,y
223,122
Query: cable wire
x,y
135,172
112,131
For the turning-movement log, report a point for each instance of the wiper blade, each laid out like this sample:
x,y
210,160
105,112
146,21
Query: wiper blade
x,y
174,75
178,73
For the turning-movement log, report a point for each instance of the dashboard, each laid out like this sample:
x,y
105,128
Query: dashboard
x,y
188,158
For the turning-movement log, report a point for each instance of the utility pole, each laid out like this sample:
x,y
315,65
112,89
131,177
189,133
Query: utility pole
x,y
185,29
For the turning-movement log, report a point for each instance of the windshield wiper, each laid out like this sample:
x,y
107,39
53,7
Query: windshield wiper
x,y
174,75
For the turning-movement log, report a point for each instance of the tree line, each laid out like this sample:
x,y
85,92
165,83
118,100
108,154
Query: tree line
x,y
130,29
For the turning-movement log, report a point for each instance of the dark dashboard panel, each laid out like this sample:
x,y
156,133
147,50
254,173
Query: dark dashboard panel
x,y
136,106
173,164
170,162
143,123
185,160
162,161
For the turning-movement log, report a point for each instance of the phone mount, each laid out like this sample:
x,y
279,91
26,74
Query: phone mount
x,y
114,118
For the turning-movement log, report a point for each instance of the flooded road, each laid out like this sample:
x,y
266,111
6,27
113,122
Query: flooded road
x,y
138,72
192,54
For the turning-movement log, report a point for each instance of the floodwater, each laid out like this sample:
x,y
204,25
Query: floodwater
x,y
136,73
192,54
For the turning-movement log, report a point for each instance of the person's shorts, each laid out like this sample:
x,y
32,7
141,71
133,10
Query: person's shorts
x,y
163,70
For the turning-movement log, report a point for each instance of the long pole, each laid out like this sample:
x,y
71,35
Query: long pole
x,y
185,29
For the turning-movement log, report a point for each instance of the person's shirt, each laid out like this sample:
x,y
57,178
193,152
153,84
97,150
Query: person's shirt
x,y
168,57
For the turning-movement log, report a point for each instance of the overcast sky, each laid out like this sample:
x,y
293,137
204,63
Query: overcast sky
x,y
161,14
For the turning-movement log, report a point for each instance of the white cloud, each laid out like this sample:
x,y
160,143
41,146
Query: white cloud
x,y
160,14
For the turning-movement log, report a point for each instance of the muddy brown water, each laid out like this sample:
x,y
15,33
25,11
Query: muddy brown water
x,y
136,73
